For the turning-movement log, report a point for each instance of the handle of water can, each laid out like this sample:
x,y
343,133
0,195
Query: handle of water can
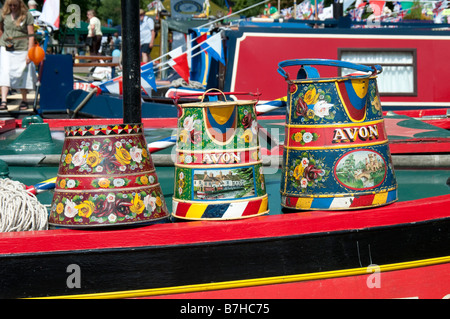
x,y
212,94
209,93
376,69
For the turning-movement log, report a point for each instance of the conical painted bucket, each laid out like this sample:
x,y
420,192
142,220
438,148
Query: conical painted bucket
x,y
218,169
336,152
106,177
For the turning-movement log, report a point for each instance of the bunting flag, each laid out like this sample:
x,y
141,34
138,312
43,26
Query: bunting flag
x,y
201,38
157,5
304,10
114,86
397,6
438,8
347,3
401,8
317,5
230,9
50,13
357,12
320,6
213,45
377,7
148,81
179,63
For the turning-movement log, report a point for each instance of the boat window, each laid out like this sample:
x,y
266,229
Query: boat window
x,y
399,68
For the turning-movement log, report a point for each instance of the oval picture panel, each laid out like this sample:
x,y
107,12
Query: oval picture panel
x,y
361,169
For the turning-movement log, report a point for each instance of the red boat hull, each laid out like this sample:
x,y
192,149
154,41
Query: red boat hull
x,y
297,255
251,71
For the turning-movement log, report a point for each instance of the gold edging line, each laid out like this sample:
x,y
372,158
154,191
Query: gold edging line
x,y
254,282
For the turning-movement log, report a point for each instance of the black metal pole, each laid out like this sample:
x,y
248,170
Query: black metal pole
x,y
132,112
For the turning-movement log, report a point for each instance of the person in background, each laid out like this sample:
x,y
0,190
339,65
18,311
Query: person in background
x,y
116,42
94,32
16,71
32,7
106,47
147,27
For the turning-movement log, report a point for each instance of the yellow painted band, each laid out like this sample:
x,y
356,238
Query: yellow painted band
x,y
264,205
304,203
196,211
380,198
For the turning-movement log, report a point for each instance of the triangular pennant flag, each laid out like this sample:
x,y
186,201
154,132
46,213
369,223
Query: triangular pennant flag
x,y
50,13
176,52
202,38
214,47
113,86
181,66
439,7
148,81
377,7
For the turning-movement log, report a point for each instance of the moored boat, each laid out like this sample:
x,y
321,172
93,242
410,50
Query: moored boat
x,y
367,253
289,255
404,48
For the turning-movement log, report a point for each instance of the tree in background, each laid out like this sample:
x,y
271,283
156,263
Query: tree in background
x,y
110,9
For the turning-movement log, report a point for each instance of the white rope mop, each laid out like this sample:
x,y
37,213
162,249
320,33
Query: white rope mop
x,y
20,210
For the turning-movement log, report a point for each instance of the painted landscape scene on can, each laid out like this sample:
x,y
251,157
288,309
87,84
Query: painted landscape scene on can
x,y
361,169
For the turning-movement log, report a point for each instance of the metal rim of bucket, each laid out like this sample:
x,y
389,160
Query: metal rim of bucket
x,y
374,70
97,126
219,103
333,79
216,103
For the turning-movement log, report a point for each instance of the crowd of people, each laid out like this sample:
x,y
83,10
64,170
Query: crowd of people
x,y
17,21
99,44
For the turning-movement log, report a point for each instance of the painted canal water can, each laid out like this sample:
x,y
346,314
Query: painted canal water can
x,y
218,166
336,152
106,177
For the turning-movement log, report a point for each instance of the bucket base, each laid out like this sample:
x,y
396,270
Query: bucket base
x,y
343,202
143,223
223,210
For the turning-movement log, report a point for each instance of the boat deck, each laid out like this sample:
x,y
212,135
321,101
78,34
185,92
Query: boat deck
x,y
409,236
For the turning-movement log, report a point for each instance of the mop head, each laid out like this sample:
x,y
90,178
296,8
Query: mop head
x,y
20,210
